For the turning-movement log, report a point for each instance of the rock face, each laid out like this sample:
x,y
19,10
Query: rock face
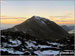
x,y
42,28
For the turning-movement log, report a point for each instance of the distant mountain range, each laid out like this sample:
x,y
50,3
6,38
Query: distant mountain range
x,y
67,28
41,28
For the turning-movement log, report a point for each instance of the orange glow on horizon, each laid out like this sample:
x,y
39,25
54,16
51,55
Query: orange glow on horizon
x,y
14,20
64,22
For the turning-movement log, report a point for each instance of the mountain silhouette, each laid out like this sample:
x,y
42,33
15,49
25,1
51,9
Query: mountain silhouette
x,y
41,28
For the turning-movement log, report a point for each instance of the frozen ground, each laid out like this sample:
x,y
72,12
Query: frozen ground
x,y
30,47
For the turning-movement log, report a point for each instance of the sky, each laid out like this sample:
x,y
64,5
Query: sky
x,y
15,12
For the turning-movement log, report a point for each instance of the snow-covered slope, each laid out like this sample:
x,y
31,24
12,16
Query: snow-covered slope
x,y
31,47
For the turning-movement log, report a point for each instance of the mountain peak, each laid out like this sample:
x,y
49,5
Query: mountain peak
x,y
36,17
39,18
42,28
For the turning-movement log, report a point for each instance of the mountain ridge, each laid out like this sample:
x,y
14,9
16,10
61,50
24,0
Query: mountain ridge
x,y
42,28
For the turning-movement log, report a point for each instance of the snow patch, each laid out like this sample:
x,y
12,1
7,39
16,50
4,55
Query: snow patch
x,y
3,36
29,44
11,51
44,53
17,42
36,16
44,46
16,29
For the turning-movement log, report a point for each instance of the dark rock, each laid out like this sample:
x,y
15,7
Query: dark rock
x,y
41,28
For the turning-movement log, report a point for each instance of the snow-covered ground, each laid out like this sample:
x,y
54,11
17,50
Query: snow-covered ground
x,y
29,46
11,51
44,53
16,42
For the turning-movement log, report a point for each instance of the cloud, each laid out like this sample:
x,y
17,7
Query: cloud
x,y
12,20
67,18
62,19
69,13
10,17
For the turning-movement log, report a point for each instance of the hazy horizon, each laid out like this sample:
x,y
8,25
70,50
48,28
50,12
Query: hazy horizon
x,y
6,26
16,12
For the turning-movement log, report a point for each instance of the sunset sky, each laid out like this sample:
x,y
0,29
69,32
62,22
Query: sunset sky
x,y
15,12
